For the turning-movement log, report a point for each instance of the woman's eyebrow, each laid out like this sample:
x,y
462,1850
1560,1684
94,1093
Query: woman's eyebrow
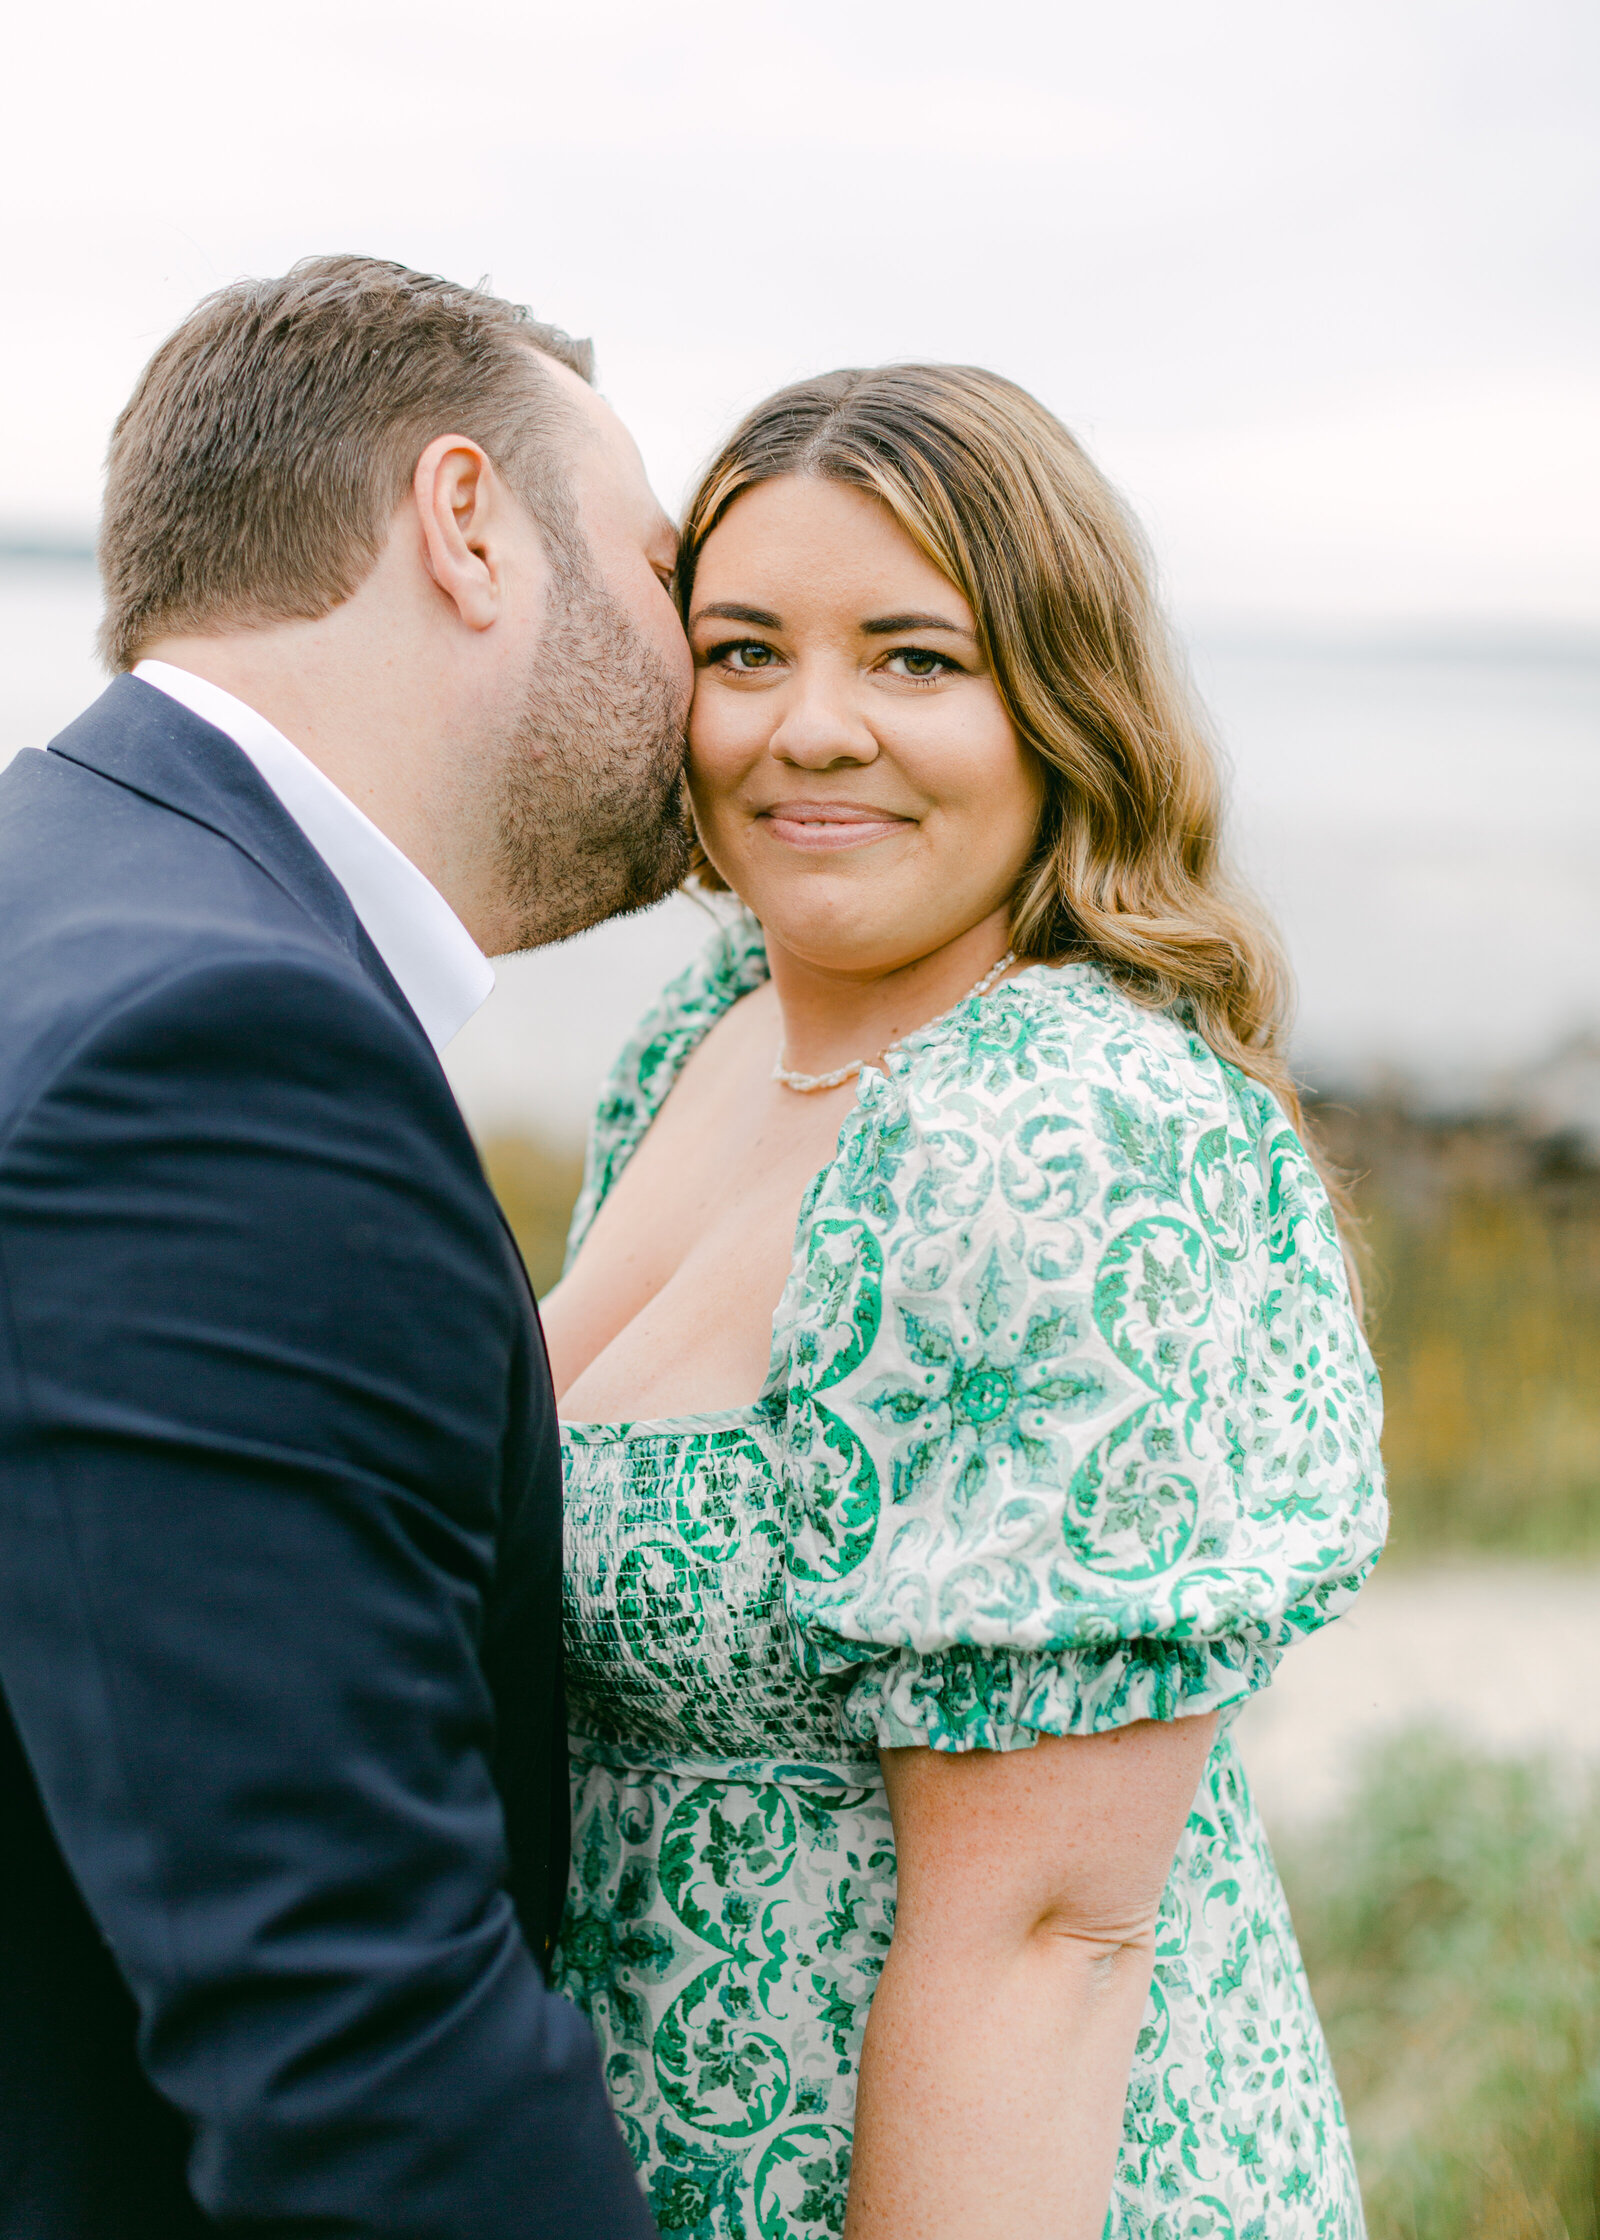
x,y
726,611
885,625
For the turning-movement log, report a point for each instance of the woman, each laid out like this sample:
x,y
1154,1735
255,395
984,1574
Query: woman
x,y
965,1402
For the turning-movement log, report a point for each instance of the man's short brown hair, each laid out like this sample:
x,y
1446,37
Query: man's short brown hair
x,y
255,470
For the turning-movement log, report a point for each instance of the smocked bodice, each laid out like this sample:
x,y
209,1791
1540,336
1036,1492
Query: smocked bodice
x,y
676,1635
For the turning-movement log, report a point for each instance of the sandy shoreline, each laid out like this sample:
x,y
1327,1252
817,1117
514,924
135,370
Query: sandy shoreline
x,y
1505,1655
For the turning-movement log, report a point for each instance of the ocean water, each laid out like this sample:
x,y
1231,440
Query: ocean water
x,y
1424,820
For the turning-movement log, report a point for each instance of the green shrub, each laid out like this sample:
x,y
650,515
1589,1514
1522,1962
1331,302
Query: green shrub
x,y
1450,1920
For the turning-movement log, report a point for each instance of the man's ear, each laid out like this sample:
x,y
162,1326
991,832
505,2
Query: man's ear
x,y
460,500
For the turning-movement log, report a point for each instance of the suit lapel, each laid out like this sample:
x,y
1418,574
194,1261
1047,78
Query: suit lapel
x,y
140,738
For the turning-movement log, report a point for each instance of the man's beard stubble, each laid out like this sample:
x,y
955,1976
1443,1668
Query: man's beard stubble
x,y
593,810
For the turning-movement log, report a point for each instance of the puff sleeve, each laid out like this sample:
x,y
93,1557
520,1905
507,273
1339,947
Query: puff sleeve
x,y
1080,1427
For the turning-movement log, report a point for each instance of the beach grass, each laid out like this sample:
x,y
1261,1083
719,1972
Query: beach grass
x,y
1450,1922
537,1184
1487,1333
1483,1244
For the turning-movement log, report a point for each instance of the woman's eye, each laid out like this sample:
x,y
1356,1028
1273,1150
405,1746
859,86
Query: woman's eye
x,y
744,656
919,663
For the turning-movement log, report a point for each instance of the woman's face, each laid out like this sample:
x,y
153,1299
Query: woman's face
x,y
856,778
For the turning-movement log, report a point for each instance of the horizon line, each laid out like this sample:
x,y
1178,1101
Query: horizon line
x,y
1452,634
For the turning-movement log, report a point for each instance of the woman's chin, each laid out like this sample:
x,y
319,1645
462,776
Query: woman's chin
x,y
839,940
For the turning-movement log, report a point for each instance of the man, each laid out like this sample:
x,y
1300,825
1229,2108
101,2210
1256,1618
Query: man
x,y
282,1775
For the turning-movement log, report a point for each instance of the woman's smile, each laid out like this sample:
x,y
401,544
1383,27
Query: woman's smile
x,y
828,826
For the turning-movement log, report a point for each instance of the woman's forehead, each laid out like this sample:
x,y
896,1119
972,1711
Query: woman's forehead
x,y
804,541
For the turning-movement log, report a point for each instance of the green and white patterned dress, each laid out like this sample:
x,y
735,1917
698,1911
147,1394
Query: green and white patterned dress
x,y
1068,1423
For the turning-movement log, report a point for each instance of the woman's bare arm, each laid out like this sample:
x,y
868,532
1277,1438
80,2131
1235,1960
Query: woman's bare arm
x,y
996,2060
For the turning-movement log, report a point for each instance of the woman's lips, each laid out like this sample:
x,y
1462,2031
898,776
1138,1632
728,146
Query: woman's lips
x,y
819,825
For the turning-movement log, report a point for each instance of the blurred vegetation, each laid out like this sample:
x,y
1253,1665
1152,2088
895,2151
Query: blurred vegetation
x,y
1450,1921
536,1184
1483,1245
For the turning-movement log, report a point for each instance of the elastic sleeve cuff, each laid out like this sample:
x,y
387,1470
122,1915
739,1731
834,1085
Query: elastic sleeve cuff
x,y
997,1699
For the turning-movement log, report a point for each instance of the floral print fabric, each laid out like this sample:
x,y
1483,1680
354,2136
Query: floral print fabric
x,y
1069,1423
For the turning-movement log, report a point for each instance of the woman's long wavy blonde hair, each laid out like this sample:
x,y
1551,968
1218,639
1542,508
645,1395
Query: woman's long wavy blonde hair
x,y
1128,871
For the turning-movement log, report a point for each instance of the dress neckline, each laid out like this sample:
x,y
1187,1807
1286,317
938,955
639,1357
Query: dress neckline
x,y
586,1433
743,970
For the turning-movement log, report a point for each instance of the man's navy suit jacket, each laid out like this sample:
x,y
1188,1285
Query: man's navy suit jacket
x,y
282,1772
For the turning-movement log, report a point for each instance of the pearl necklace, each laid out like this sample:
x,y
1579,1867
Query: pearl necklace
x,y
804,1083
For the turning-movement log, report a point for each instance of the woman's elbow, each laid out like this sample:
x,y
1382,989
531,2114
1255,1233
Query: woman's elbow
x,y
1103,1950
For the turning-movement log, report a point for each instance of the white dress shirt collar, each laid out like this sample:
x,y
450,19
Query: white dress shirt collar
x,y
439,968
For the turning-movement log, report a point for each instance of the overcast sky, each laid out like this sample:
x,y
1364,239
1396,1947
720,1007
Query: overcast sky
x,y
1316,283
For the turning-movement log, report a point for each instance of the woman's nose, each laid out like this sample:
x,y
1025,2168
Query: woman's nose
x,y
820,727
